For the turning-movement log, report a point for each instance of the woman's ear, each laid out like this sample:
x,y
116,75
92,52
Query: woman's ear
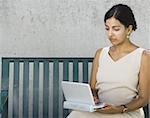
x,y
130,29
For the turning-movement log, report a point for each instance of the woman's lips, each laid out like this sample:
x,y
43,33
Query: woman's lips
x,y
112,40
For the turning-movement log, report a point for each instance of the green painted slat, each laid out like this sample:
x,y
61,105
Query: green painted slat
x,y
4,93
51,59
65,78
4,87
75,70
5,75
46,90
55,89
35,89
26,89
65,70
85,71
146,111
149,109
16,90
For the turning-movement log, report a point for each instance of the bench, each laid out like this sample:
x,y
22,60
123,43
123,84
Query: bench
x,y
30,87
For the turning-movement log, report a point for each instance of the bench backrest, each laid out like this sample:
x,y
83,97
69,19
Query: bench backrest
x,y
33,85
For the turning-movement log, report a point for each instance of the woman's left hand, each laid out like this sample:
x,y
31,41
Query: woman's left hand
x,y
109,109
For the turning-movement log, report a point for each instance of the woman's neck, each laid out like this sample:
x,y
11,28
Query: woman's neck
x,y
126,46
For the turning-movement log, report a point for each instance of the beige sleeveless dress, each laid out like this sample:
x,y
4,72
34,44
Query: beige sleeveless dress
x,y
117,83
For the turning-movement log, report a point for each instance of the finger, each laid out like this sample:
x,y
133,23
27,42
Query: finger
x,y
106,107
101,110
96,101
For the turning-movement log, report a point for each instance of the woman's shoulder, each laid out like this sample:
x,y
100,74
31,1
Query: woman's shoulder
x,y
146,54
146,57
98,52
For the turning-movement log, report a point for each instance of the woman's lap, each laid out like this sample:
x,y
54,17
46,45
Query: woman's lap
x,y
83,114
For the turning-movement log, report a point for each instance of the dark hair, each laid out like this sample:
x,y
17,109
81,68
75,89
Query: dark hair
x,y
123,13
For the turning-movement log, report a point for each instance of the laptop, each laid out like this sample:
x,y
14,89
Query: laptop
x,y
78,96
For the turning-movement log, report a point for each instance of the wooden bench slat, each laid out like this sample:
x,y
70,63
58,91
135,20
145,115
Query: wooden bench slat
x,y
16,90
46,90
75,70
26,89
85,71
36,89
55,89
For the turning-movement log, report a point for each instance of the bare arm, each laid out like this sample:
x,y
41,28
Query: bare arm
x,y
143,92
144,81
94,70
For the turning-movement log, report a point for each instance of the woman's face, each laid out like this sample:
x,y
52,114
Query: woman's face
x,y
116,31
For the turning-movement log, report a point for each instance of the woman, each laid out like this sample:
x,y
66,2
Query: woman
x,y
120,73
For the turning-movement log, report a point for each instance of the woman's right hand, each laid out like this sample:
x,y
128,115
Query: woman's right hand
x,y
96,99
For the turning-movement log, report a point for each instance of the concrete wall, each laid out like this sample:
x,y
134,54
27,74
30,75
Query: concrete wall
x,y
62,27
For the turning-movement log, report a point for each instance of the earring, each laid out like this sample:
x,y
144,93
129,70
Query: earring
x,y
128,36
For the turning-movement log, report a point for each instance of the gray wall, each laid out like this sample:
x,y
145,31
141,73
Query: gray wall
x,y
62,27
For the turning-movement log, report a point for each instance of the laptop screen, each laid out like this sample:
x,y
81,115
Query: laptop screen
x,y
77,92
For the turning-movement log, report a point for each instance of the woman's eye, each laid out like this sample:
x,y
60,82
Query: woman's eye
x,y
116,29
106,28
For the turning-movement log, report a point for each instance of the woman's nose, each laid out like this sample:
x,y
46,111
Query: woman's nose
x,y
109,33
